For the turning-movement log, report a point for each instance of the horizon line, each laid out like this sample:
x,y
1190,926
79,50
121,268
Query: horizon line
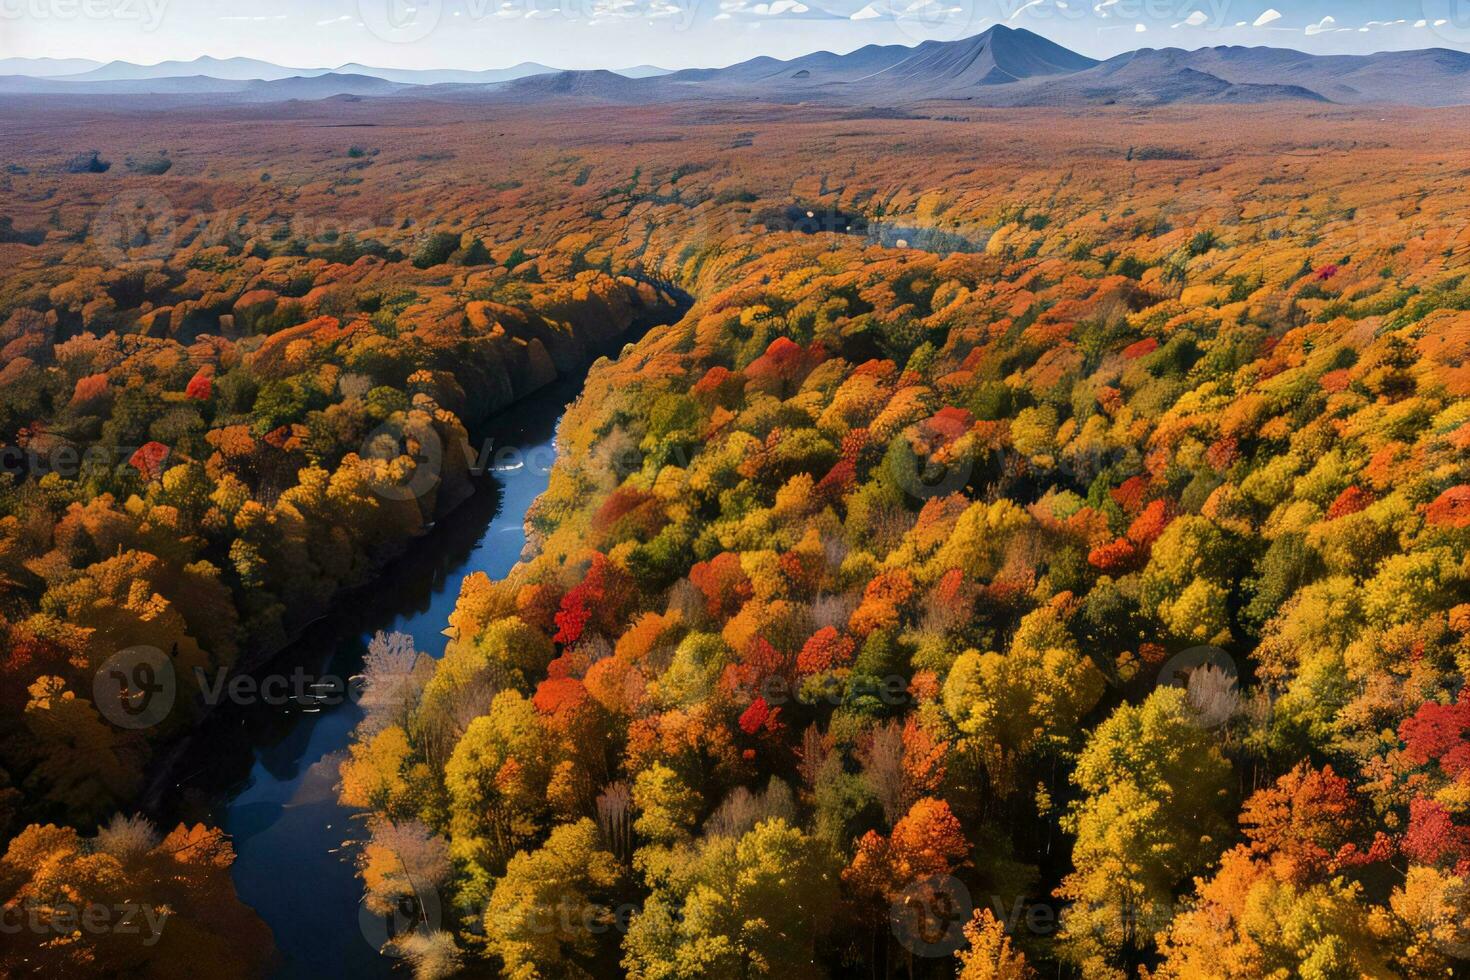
x,y
817,51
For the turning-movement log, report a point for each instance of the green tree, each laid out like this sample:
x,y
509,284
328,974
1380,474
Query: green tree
x,y
738,909
549,908
1153,785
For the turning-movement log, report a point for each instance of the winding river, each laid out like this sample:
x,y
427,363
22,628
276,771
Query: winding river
x,y
266,773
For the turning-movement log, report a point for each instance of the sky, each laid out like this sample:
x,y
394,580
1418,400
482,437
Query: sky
x,y
685,33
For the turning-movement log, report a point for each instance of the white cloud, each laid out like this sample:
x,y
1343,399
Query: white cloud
x,y
867,13
1269,16
1139,29
334,20
778,8
1328,23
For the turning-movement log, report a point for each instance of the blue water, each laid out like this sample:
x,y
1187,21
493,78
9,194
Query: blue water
x,y
269,772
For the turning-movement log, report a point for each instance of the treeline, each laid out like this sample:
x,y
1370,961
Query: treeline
x,y
204,483
859,593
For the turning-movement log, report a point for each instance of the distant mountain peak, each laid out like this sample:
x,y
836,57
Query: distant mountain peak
x,y
1000,66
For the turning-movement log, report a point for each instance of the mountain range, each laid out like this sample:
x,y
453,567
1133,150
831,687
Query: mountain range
x,y
1001,67
58,72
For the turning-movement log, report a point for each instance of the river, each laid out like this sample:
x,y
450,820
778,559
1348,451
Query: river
x,y
266,773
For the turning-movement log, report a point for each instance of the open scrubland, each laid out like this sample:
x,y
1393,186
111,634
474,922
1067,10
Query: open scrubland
x,y
1058,515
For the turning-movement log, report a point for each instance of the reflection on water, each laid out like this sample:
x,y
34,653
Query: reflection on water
x,y
267,773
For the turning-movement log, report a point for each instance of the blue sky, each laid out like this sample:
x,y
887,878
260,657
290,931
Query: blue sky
x,y
681,33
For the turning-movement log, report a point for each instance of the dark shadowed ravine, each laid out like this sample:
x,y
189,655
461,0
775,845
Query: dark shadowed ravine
x,y
267,774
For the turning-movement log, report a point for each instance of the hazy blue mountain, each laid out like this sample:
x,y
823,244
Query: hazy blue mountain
x,y
642,71
237,69
199,87
446,76
46,67
1001,67
1429,77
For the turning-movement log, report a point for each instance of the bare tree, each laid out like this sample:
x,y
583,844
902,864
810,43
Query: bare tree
x,y
815,747
393,676
615,818
1213,694
432,955
127,838
831,610
419,863
742,810
880,754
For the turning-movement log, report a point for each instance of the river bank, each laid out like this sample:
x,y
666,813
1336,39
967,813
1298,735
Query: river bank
x,y
266,774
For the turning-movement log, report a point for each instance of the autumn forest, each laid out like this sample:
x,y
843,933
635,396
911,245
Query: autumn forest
x,y
994,543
